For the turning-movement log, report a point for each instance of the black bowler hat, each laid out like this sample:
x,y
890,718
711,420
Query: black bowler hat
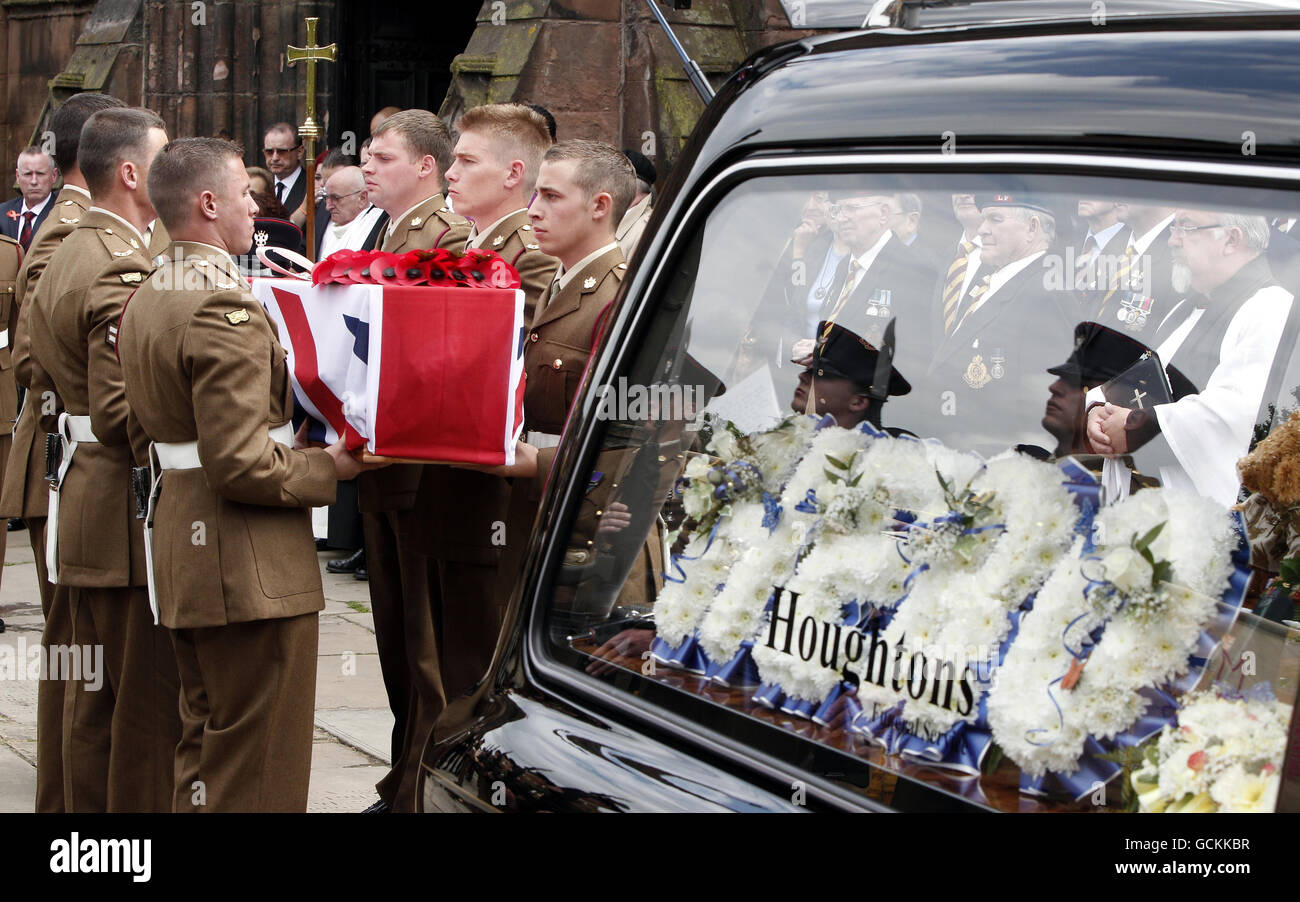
x,y
843,354
1015,199
1101,354
645,170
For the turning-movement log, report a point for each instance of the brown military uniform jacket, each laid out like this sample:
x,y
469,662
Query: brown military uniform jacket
x,y
559,345
430,225
26,494
11,257
514,242
201,360
73,325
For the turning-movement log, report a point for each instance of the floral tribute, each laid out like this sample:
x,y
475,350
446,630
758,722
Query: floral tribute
x,y
936,602
1224,754
1111,622
437,268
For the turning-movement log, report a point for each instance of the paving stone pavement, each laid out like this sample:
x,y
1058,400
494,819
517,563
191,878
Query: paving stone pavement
x,y
353,723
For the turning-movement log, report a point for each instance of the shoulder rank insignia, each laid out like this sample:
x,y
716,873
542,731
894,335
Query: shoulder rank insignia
x,y
417,222
498,241
527,227
69,221
132,277
235,317
111,336
533,247
621,266
589,282
123,253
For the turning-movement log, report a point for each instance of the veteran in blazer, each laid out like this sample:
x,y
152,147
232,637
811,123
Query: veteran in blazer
x,y
409,152
119,737
25,492
1007,327
234,574
491,179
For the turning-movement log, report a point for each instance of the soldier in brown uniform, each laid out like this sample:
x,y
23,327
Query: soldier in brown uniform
x,y
583,190
409,152
26,494
119,736
491,181
234,571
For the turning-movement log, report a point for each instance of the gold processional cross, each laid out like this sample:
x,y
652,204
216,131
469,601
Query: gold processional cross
x,y
309,131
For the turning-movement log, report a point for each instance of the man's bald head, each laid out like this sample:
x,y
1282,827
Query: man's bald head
x,y
345,195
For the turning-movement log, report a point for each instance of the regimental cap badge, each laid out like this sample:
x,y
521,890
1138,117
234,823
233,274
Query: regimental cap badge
x,y
130,278
260,237
589,282
417,222
135,244
498,241
235,317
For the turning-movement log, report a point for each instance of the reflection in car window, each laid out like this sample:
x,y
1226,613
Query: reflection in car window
x,y
917,403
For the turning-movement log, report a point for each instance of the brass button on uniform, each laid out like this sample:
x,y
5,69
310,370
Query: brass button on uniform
x,y
558,363
533,337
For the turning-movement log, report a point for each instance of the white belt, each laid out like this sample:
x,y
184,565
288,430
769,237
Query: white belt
x,y
4,337
74,430
179,456
542,439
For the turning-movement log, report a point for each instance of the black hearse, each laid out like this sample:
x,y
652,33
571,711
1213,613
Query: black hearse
x,y
1069,109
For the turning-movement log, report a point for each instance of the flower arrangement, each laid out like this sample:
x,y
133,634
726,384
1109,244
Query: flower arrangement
x,y
731,507
1224,754
864,496
1108,624
769,559
1000,536
438,268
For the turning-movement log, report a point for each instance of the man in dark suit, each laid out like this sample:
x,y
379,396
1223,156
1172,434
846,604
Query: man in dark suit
x,y
283,150
22,216
879,279
1134,274
1105,228
1015,322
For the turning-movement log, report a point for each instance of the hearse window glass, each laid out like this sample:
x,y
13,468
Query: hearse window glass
x,y
940,472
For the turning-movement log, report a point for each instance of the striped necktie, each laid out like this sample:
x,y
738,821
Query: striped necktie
x,y
1121,281
953,283
976,293
1085,271
845,293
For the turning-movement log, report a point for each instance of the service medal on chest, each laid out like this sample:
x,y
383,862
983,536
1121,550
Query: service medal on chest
x,y
999,361
977,374
1134,310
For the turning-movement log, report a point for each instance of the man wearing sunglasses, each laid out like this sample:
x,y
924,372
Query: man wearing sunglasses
x,y
283,151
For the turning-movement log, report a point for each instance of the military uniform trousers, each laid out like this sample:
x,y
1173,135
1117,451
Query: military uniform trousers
x,y
247,705
406,636
120,731
51,693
